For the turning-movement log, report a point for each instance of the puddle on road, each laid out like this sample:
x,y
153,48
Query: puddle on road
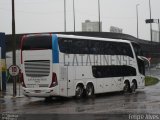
x,y
2,101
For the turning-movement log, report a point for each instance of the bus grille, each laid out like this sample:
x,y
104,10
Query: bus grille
x,y
39,68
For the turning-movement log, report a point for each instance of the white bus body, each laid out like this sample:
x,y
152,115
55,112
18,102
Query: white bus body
x,y
68,65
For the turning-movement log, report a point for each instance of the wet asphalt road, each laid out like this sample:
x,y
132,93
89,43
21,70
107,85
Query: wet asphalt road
x,y
145,101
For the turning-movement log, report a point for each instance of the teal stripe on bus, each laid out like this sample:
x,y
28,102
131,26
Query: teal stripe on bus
x,y
55,51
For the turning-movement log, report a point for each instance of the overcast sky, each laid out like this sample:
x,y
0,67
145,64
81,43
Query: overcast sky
x,y
48,15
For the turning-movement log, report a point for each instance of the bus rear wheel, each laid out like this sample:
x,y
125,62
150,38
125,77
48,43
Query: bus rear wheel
x,y
89,90
48,99
79,91
126,88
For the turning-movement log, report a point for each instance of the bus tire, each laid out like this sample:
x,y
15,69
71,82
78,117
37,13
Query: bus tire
x,y
126,87
133,87
89,90
48,99
79,91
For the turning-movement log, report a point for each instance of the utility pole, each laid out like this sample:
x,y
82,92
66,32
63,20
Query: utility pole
x,y
13,47
137,20
64,15
159,29
150,18
74,20
99,15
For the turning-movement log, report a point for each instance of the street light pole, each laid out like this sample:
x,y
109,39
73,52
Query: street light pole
x,y
74,15
150,18
99,15
13,47
137,20
159,30
64,15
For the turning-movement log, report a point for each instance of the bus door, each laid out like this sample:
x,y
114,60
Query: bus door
x,y
66,81
63,81
71,79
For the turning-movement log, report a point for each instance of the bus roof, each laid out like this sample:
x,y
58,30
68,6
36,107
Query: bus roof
x,y
92,38
80,37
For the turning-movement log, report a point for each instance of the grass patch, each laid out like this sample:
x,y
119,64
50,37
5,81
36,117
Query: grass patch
x,y
151,81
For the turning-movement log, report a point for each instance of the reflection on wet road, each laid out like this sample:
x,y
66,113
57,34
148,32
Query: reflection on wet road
x,y
143,101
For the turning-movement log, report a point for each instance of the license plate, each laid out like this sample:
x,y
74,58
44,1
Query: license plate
x,y
30,85
37,91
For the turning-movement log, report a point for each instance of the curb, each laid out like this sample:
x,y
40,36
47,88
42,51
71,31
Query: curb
x,y
11,97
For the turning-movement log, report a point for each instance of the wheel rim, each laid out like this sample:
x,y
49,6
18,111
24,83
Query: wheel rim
x,y
79,91
133,87
126,87
89,90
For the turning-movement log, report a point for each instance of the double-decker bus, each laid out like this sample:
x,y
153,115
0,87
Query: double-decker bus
x,y
69,65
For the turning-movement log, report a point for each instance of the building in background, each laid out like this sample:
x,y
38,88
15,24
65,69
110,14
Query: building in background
x,y
89,26
116,29
155,36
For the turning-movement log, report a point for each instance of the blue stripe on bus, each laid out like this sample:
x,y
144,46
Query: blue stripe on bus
x,y
55,52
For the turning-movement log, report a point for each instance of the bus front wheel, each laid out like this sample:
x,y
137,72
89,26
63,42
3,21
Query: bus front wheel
x,y
133,87
89,90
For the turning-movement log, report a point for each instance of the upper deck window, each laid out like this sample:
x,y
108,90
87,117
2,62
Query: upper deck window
x,y
37,43
83,46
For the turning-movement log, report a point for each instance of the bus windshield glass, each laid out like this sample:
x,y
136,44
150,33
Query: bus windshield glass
x,y
37,43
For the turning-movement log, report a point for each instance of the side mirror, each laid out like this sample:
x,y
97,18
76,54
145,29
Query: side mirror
x,y
146,60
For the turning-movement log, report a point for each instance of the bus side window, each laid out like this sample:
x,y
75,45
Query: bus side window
x,y
126,50
137,49
94,47
65,45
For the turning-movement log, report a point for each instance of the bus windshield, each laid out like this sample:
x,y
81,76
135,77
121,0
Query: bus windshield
x,y
37,43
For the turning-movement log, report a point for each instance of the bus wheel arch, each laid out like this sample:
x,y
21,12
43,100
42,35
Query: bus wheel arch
x,y
79,90
126,87
89,91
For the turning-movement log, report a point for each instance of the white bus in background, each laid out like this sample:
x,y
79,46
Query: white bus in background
x,y
68,65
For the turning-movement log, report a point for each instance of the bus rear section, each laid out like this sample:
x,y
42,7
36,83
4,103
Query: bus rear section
x,y
37,75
